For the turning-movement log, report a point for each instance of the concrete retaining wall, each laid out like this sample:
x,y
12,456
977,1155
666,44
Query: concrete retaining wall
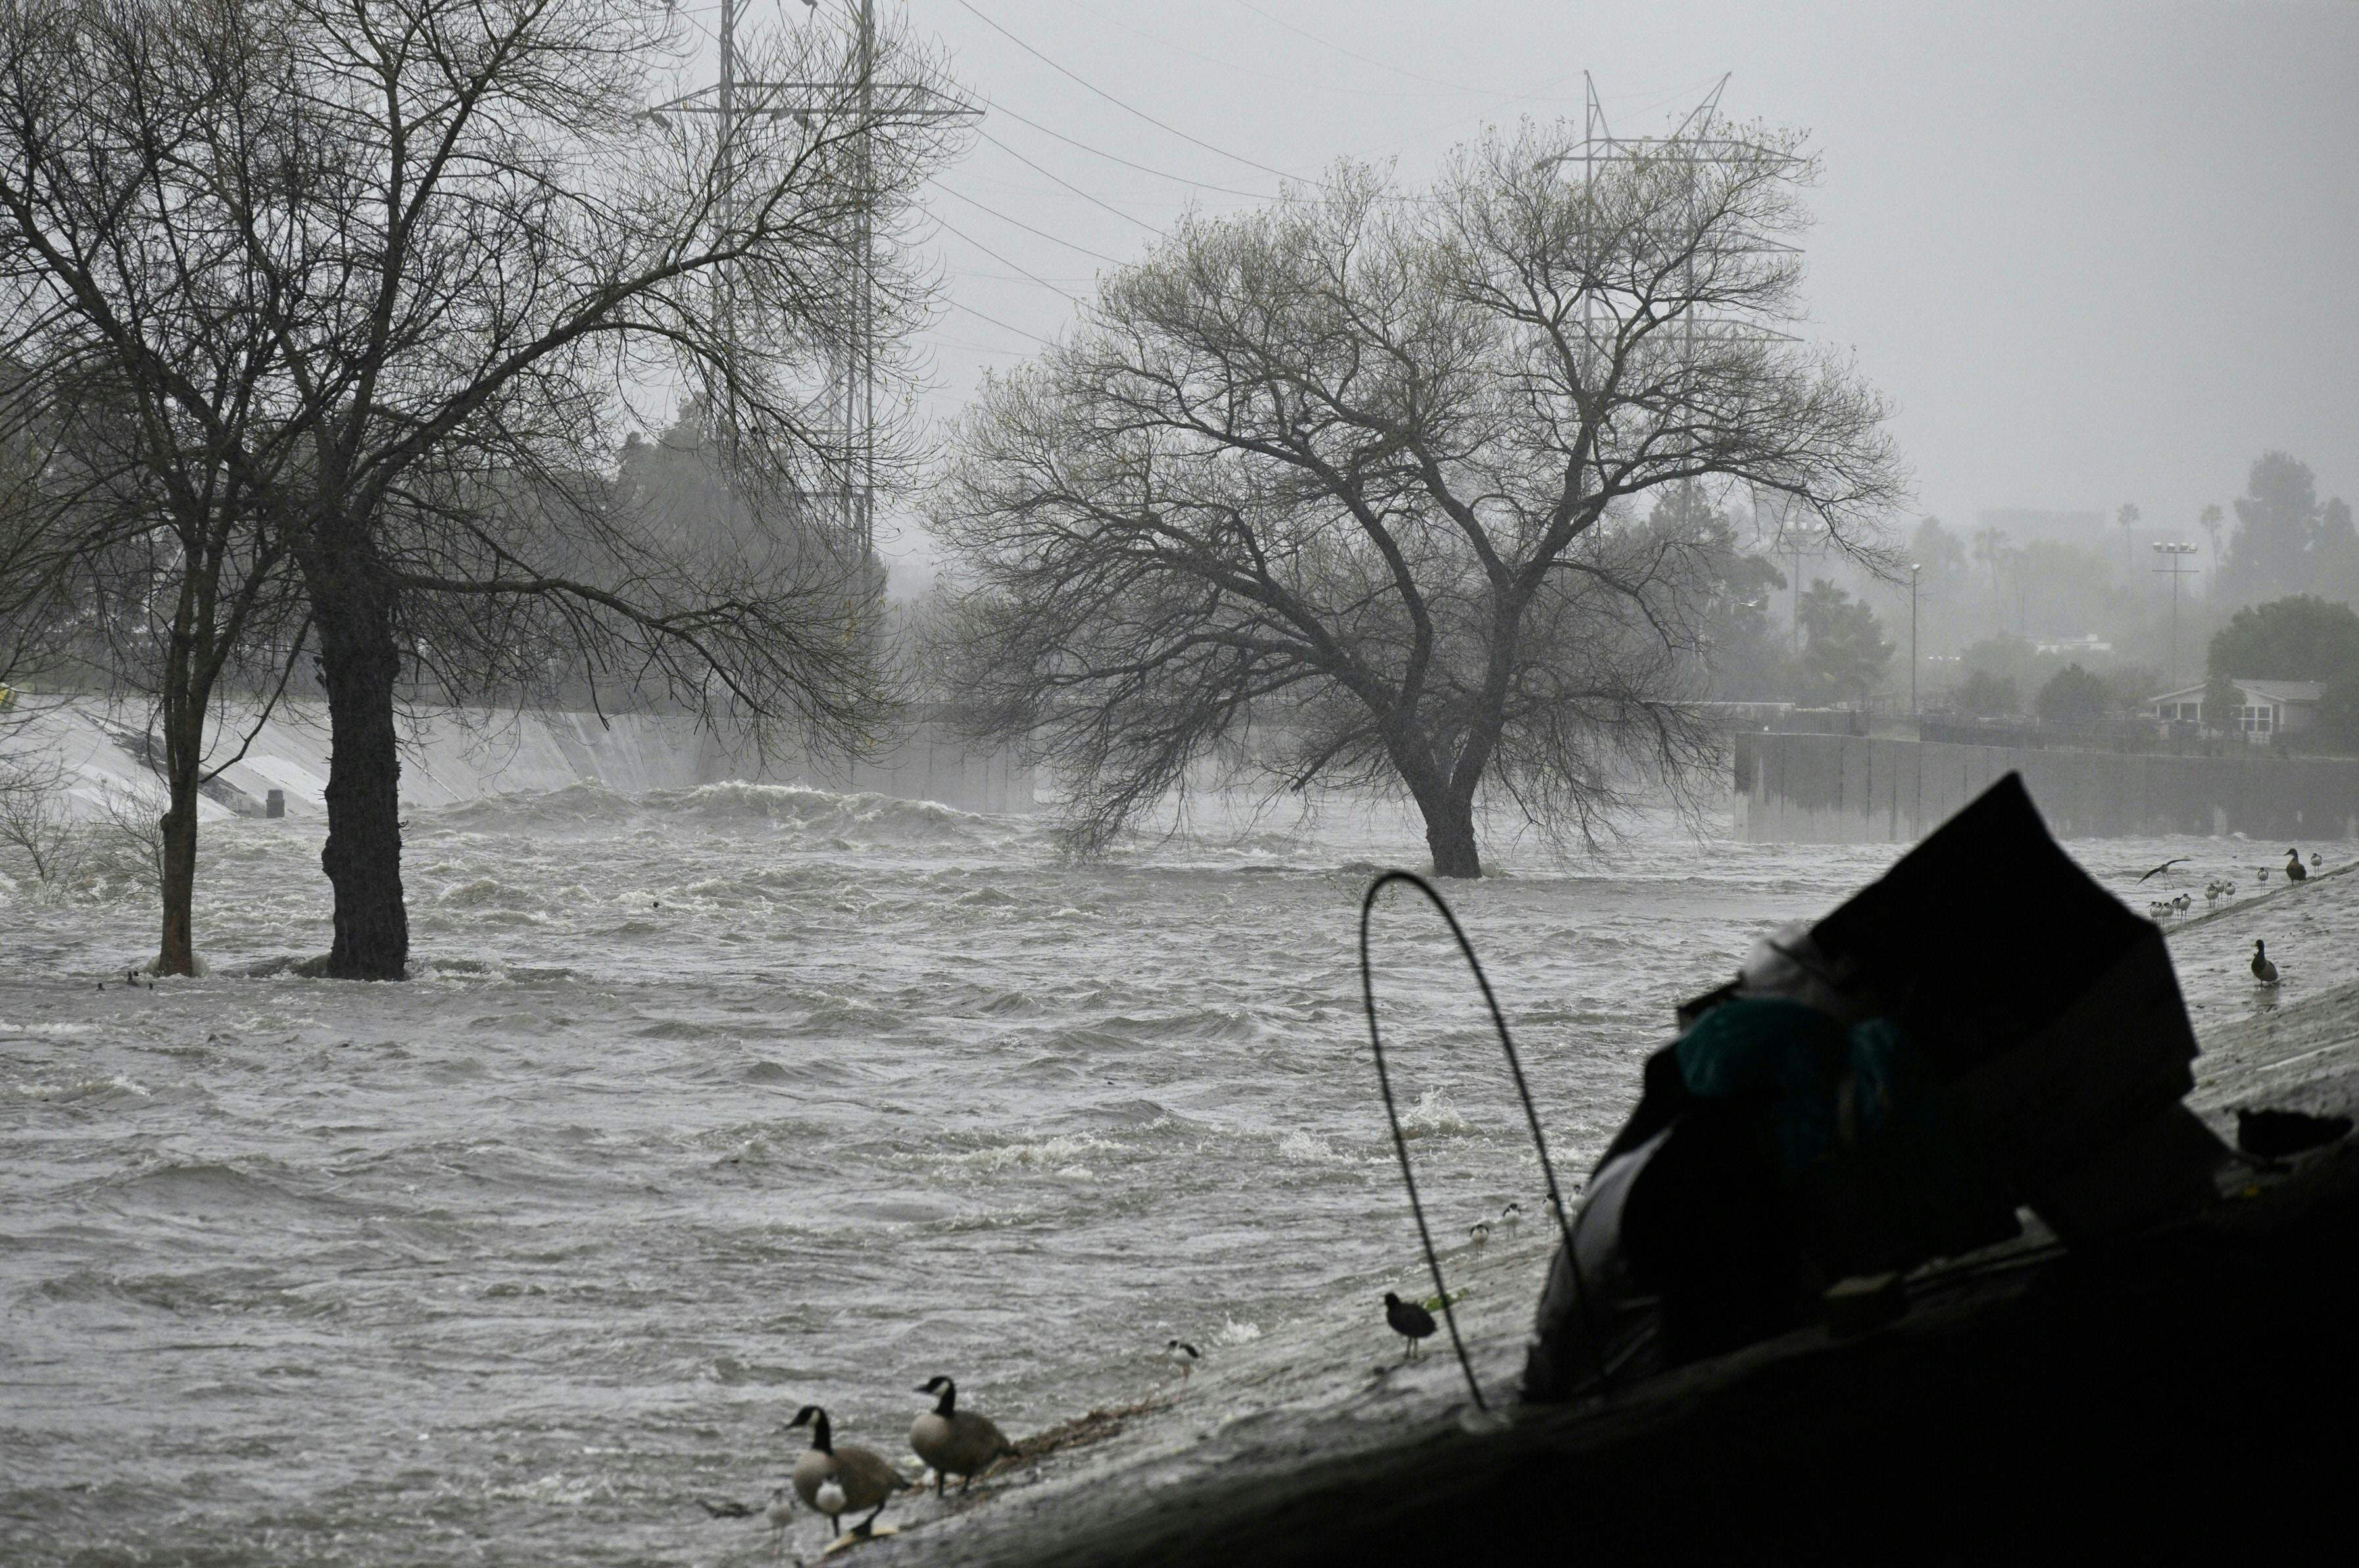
x,y
1808,789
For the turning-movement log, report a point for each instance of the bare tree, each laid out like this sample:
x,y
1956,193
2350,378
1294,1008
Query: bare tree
x,y
1365,472
461,262
34,822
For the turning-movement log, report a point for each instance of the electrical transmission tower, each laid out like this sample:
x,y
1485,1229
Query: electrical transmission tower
x,y
872,104
1701,136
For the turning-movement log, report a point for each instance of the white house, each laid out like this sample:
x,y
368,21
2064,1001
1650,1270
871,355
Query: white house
x,y
2266,709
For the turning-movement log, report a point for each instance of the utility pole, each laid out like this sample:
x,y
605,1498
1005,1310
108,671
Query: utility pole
x,y
1914,568
875,104
2174,556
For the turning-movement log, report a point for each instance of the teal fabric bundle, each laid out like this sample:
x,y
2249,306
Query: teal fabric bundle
x,y
1820,1082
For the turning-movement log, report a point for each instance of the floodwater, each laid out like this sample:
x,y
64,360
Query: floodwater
x,y
709,1104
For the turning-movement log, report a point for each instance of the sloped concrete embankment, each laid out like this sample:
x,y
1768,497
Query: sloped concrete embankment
x,y
2192,1387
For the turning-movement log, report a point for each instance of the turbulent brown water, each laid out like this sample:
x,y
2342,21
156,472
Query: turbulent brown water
x,y
708,1103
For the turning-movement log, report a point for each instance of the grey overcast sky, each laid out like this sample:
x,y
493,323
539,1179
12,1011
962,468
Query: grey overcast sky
x,y
2094,253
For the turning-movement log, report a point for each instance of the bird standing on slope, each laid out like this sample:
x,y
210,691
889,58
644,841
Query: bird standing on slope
x,y
954,1441
853,1478
2295,870
1183,1356
1409,1321
1512,1215
1479,1233
780,1513
2263,970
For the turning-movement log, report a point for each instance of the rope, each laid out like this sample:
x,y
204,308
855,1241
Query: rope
x,y
1523,1092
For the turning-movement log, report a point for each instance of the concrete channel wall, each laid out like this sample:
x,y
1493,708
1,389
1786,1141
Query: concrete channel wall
x,y
1814,788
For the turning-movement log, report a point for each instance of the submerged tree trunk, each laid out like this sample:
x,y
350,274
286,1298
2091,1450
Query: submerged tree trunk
x,y
177,865
1449,826
360,664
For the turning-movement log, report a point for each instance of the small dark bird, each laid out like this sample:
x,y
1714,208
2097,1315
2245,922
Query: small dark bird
x,y
852,1479
2273,1134
1409,1321
1183,1356
2263,970
2295,870
2164,866
955,1442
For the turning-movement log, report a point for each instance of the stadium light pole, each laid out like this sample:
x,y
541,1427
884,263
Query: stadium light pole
x,y
2174,554
1914,568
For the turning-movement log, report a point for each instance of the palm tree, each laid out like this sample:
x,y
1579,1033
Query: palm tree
x,y
2211,519
1990,545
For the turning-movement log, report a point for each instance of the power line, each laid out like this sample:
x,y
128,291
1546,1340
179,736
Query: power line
x,y
1114,157
1370,59
1069,185
995,321
1141,114
1111,261
1003,260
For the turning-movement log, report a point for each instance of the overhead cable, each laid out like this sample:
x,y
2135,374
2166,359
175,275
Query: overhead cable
x,y
1126,108
1001,259
997,108
1069,185
1111,261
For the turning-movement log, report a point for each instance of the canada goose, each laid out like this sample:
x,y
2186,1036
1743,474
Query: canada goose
x,y
1409,1321
861,1478
2263,970
953,1440
2295,870
1479,1233
1183,1356
1512,1215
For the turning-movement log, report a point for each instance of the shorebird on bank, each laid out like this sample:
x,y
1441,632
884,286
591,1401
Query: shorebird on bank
x,y
2263,970
954,1441
1409,1321
780,1513
1183,1356
1511,1216
1479,1233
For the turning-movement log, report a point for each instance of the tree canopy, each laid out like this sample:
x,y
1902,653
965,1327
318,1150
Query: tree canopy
x,y
1356,487
2298,638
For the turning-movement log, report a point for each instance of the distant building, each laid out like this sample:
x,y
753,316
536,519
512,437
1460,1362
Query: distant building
x,y
2264,710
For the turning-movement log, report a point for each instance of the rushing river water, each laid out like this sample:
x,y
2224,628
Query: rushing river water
x,y
703,1104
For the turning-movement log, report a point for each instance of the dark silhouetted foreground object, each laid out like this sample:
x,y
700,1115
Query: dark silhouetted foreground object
x,y
1409,1321
2263,970
1887,1086
955,1442
2274,1135
862,1477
